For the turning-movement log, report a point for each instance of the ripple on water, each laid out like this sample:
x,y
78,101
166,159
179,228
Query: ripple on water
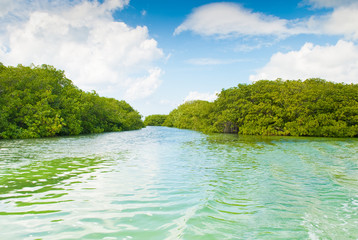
x,y
162,183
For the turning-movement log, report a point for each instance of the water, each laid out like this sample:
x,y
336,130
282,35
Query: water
x,y
163,183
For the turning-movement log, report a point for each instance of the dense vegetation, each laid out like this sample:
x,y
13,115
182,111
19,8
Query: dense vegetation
x,y
196,115
313,107
155,120
39,101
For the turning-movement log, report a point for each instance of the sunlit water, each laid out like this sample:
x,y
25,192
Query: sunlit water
x,y
163,183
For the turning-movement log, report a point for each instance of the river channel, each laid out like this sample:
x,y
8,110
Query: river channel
x,y
167,183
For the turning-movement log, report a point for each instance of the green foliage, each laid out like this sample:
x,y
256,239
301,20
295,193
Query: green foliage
x,y
313,107
39,101
155,120
194,115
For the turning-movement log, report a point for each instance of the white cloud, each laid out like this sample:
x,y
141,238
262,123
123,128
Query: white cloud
x,y
83,39
338,63
342,21
249,47
144,86
6,6
225,20
328,3
211,61
231,20
201,96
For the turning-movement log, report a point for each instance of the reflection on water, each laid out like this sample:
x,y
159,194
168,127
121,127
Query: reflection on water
x,y
162,183
39,176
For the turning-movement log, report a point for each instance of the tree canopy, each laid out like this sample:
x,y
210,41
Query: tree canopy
x,y
155,120
39,101
313,107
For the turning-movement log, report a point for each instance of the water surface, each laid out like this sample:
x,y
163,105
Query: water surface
x,y
164,183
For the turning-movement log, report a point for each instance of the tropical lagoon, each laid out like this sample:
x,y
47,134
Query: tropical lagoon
x,y
168,183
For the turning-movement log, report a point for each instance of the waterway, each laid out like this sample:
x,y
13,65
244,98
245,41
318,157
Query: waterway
x,y
166,183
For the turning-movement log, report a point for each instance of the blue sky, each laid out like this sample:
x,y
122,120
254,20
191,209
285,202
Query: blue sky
x,y
157,54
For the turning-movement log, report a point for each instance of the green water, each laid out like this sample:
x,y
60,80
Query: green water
x,y
163,183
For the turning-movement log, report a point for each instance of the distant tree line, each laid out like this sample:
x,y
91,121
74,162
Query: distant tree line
x,y
155,120
39,101
313,107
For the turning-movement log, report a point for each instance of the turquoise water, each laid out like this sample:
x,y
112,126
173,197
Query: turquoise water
x,y
163,183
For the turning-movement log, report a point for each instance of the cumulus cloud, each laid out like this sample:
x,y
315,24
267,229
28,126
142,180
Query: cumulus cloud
x,y
338,63
6,6
231,20
201,96
82,38
328,3
211,61
144,85
223,20
342,21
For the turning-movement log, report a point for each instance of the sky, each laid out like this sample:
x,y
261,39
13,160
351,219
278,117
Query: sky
x,y
157,54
